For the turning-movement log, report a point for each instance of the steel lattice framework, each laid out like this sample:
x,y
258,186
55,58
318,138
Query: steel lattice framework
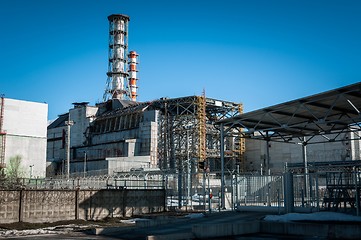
x,y
321,118
333,112
187,135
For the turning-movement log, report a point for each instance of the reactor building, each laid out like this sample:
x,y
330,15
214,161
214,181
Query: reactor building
x,y
121,134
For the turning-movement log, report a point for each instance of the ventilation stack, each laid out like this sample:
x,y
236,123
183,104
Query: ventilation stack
x,y
132,59
118,44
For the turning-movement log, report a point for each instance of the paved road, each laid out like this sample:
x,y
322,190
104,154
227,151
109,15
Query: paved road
x,y
179,225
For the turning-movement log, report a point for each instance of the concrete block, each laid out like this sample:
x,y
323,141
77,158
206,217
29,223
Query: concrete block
x,y
246,228
272,227
331,230
344,231
306,229
213,230
109,231
175,236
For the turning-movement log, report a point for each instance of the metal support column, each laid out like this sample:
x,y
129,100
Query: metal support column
x,y
222,167
84,164
69,124
268,169
288,192
189,169
180,187
357,192
304,154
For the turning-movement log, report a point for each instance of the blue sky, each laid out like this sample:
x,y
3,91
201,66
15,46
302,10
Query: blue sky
x,y
256,52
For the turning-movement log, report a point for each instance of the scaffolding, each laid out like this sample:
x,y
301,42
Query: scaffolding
x,y
241,146
187,132
201,117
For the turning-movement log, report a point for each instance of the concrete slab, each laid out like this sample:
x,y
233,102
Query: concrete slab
x,y
175,236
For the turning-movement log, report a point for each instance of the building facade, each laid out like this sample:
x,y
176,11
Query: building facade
x,y
23,133
120,135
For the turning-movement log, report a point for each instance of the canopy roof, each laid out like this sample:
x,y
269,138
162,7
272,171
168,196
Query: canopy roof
x,y
336,111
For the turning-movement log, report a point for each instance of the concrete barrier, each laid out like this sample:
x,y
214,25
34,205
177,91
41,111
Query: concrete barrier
x,y
246,228
68,204
327,230
293,228
225,229
109,231
347,230
174,236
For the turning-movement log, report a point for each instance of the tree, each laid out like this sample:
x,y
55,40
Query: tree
x,y
14,170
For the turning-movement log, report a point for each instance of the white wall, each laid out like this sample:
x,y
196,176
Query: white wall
x,y
280,153
25,118
25,124
32,152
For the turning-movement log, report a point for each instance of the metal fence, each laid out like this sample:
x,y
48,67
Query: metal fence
x,y
313,191
338,191
309,190
259,190
199,191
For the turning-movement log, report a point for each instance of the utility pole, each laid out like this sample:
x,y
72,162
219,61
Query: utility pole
x,y
189,169
31,170
84,163
222,167
69,124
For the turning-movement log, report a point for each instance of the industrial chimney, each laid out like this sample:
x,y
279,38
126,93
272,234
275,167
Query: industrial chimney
x,y
118,45
132,60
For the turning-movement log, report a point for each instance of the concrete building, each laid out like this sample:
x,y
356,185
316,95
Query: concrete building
x,y
23,133
286,153
120,135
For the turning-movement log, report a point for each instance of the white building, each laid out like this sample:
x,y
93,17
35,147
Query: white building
x,y
286,153
23,133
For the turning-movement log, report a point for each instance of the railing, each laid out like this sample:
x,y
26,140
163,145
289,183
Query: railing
x,y
91,183
259,190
